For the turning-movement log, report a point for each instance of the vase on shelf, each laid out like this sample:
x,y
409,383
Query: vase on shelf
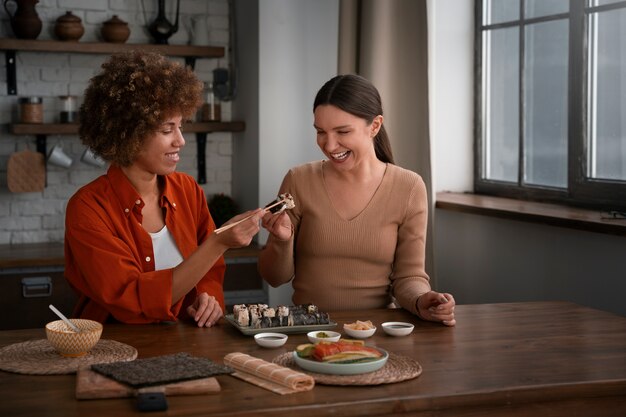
x,y
69,27
25,21
115,30
162,29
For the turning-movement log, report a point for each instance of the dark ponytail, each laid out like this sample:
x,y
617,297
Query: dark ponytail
x,y
357,96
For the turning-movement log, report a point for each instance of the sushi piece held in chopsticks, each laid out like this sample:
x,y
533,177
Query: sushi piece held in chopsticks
x,y
282,203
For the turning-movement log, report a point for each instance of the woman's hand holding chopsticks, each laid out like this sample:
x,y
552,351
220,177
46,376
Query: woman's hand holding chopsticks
x,y
284,202
244,226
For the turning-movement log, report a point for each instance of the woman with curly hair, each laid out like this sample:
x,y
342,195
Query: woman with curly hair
x,y
139,241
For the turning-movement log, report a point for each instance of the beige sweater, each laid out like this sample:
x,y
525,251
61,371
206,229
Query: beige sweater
x,y
342,264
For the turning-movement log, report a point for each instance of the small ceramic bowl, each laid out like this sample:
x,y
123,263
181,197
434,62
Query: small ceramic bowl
x,y
359,334
323,336
270,340
397,328
69,343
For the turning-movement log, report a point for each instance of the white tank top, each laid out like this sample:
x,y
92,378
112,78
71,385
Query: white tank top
x,y
166,253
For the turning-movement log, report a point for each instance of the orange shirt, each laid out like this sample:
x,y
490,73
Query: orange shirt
x,y
108,255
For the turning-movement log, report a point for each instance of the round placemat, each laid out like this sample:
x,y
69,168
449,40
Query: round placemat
x,y
398,368
38,357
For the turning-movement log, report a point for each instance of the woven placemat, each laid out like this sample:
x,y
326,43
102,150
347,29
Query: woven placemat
x,y
398,368
38,357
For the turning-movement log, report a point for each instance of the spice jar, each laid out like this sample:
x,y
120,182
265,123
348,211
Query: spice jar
x,y
31,110
68,109
211,109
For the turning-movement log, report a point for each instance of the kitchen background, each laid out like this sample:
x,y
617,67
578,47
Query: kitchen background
x,y
39,217
286,50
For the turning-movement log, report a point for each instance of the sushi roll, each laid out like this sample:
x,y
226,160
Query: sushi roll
x,y
255,317
262,316
323,318
242,316
309,319
282,203
283,315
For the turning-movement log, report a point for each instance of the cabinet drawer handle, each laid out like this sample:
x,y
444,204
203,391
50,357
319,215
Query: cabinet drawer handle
x,y
36,287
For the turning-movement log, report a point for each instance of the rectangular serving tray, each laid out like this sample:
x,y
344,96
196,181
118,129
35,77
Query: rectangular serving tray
x,y
250,331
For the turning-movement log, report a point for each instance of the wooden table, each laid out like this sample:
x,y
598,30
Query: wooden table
x,y
517,359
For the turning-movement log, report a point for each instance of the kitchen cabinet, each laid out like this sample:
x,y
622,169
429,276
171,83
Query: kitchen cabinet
x,y
31,278
27,292
41,131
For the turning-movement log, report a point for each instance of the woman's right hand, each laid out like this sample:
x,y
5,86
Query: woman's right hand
x,y
278,225
241,235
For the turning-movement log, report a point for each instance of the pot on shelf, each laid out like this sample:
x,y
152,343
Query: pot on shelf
x,y
115,30
25,21
69,27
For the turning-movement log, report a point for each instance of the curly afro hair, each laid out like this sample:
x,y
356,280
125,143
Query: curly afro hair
x,y
130,98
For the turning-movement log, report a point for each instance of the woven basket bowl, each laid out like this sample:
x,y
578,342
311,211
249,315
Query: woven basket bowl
x,y
69,343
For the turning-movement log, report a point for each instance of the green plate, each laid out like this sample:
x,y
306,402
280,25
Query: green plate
x,y
341,368
251,331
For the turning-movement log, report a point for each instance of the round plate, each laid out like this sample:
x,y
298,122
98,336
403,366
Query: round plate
x,y
341,368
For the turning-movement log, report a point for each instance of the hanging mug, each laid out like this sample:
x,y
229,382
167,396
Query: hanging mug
x,y
25,21
58,157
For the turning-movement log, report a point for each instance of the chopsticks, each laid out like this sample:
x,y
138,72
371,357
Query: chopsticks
x,y
265,210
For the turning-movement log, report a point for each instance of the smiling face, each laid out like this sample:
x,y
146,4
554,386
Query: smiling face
x,y
160,152
346,140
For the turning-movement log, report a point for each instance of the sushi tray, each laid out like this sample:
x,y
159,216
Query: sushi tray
x,y
251,319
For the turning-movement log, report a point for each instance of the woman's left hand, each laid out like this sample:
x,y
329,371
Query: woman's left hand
x,y
205,310
435,306
278,225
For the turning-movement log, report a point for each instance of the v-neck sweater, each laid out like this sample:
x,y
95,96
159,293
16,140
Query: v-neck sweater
x,y
360,263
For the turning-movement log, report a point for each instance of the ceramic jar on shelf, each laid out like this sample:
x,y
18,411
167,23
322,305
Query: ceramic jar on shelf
x,y
115,30
69,27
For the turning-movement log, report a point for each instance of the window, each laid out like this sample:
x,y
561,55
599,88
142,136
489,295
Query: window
x,y
551,101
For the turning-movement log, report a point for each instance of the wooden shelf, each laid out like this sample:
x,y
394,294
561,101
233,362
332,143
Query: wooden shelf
x,y
109,48
201,129
72,128
189,52
10,46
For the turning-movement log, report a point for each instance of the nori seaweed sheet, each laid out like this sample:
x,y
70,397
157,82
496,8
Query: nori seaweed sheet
x,y
161,370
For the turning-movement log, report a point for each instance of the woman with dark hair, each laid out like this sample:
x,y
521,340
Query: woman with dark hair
x,y
356,237
139,241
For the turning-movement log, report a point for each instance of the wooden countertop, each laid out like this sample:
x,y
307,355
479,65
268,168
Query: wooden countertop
x,y
51,254
522,359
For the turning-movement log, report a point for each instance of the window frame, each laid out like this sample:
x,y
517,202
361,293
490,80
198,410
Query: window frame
x,y
581,190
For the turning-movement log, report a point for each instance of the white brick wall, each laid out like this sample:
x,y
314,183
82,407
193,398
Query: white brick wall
x,y
40,217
